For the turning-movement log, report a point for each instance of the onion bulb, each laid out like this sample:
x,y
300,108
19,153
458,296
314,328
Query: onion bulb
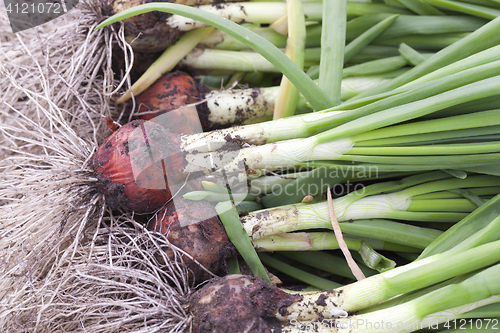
x,y
239,303
130,166
174,90
202,238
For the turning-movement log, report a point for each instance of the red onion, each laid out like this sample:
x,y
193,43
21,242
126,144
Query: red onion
x,y
203,238
130,166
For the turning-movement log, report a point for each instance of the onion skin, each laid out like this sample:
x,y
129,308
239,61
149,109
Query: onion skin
x,y
237,304
171,91
147,32
114,167
206,241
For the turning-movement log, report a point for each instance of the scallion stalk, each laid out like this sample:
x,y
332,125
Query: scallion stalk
x,y
326,262
307,124
423,273
486,56
478,290
481,39
310,279
366,37
236,234
332,48
471,9
288,95
359,205
406,25
268,12
319,241
411,56
421,7
235,106
297,152
472,230
375,67
480,191
432,43
166,62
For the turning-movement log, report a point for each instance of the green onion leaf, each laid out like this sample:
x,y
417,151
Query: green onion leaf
x,y
310,279
460,232
237,235
332,47
375,260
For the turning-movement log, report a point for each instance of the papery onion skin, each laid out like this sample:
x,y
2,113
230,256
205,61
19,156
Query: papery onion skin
x,y
237,304
204,239
114,167
171,91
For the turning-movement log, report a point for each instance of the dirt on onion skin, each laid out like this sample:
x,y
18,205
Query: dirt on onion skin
x,y
238,303
146,32
149,32
132,147
171,92
203,238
